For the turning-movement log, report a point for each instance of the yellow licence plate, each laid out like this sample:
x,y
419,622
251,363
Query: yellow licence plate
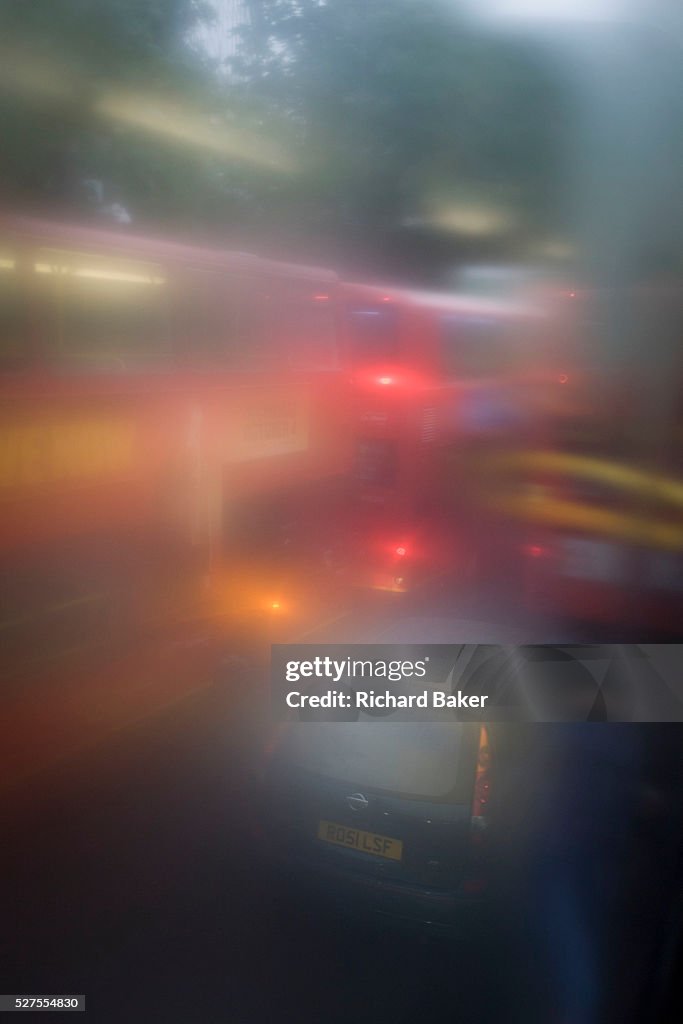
x,y
357,839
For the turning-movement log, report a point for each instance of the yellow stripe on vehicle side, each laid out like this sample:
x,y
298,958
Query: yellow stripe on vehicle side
x,y
570,514
655,485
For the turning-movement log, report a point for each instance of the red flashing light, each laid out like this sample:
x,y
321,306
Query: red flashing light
x,y
321,298
563,378
386,298
401,551
385,381
534,550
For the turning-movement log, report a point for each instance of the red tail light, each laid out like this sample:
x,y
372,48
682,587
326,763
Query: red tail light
x,y
477,877
482,780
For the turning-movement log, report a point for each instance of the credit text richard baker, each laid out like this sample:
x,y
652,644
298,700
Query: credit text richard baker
x,y
373,699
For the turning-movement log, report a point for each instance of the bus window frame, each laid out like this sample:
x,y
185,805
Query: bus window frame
x,y
362,356
53,349
303,296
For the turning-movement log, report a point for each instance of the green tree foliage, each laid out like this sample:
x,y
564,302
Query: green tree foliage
x,y
66,69
389,113
401,111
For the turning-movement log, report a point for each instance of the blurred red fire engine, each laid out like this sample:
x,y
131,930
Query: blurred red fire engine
x,y
156,399
173,414
496,440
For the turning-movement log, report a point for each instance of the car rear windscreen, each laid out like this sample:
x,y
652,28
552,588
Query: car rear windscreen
x,y
416,759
